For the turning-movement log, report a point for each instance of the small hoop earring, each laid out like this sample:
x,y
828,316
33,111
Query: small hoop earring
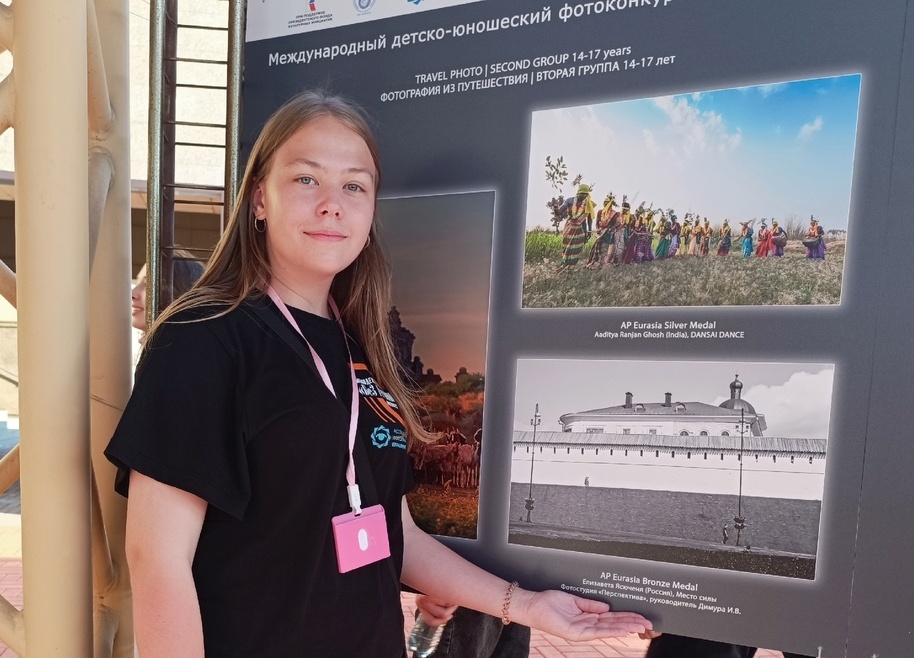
x,y
260,227
367,242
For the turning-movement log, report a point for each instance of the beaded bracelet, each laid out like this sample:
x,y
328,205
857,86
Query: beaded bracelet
x,y
504,608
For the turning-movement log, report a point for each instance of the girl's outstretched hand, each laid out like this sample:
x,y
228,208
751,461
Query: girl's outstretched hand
x,y
574,618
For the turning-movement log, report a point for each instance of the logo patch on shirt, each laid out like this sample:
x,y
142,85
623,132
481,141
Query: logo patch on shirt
x,y
382,437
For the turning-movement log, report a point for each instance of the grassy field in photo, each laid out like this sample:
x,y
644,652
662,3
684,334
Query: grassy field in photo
x,y
447,512
683,281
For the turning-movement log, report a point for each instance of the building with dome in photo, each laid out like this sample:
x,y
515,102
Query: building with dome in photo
x,y
672,474
669,417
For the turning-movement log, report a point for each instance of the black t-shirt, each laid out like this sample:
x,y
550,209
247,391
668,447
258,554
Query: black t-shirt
x,y
225,409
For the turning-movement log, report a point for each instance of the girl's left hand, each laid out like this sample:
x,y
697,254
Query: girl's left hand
x,y
577,619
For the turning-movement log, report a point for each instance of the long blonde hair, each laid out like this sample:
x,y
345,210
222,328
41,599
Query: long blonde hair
x,y
239,269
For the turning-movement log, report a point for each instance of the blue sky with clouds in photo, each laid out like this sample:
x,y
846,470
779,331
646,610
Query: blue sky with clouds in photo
x,y
775,151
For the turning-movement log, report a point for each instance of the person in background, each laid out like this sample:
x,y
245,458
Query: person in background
x,y
746,235
186,272
685,236
764,241
725,233
607,219
695,237
704,238
577,226
778,239
815,240
675,231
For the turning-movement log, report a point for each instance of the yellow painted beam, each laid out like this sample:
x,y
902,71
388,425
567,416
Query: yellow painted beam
x,y
111,373
52,263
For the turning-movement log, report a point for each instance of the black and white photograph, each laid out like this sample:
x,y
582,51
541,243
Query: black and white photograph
x,y
715,464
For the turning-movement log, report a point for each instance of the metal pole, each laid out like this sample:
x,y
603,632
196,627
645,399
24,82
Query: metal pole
x,y
164,282
154,202
738,521
52,259
233,106
535,421
742,431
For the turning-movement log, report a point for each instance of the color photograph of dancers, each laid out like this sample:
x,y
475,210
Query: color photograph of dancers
x,y
714,198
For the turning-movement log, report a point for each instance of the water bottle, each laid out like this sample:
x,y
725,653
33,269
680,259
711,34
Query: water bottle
x,y
424,639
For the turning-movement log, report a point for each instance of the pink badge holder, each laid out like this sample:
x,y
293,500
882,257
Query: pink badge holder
x,y
360,539
361,535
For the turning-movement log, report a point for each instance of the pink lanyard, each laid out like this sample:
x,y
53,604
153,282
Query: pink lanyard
x,y
355,498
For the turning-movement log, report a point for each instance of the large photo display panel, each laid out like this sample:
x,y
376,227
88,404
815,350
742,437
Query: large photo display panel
x,y
746,190
780,111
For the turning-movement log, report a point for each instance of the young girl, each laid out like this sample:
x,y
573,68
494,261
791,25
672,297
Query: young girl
x,y
257,407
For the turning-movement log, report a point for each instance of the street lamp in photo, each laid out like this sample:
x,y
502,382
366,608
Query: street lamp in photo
x,y
739,522
535,421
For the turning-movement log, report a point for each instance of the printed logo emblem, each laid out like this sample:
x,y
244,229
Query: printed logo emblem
x,y
363,5
380,437
415,2
310,16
